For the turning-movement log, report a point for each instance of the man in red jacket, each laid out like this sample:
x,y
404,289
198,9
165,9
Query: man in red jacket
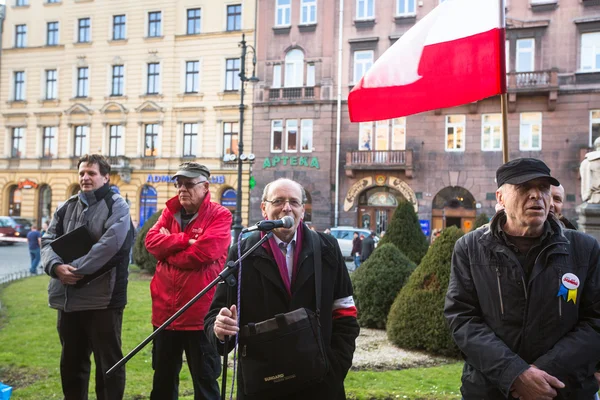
x,y
190,242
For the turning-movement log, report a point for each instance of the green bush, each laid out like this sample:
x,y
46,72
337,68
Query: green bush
x,y
377,282
405,232
416,319
141,257
481,220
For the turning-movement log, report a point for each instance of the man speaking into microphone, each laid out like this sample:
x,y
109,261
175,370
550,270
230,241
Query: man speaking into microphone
x,y
279,277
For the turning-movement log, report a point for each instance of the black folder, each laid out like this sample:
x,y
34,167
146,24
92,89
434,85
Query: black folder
x,y
73,245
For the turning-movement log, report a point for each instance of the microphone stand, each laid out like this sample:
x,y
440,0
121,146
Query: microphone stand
x,y
224,276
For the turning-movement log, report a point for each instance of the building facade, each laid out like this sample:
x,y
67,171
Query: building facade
x,y
148,84
444,161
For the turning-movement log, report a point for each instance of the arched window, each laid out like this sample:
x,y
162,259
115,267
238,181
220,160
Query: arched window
x,y
229,199
45,204
454,197
148,203
294,68
308,207
14,201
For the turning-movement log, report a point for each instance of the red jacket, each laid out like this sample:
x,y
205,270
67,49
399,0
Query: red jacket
x,y
183,270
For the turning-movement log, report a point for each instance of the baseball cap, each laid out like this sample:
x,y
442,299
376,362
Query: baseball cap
x,y
523,170
192,170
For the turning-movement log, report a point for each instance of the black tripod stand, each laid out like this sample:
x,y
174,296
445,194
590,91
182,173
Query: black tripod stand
x,y
227,275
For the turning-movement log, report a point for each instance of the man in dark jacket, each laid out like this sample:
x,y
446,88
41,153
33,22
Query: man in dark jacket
x,y
368,245
91,291
279,277
523,302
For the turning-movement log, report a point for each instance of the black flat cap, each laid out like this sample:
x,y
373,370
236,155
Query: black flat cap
x,y
192,170
523,170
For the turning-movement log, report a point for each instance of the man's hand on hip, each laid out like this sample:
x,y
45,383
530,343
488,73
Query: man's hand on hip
x,y
65,273
226,323
535,384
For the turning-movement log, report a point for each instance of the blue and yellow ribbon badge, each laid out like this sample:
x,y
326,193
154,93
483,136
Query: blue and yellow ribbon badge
x,y
568,287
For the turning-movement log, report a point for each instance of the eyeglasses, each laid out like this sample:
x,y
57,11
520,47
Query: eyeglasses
x,y
280,202
187,185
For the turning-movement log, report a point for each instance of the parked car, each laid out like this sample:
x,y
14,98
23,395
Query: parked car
x,y
20,224
344,236
7,232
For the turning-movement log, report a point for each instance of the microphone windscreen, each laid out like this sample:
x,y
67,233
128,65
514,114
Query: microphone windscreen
x,y
288,221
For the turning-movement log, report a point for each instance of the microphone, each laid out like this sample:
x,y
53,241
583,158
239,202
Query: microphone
x,y
268,225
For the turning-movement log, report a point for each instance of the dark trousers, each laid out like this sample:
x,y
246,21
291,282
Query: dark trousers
x,y
35,256
202,359
81,334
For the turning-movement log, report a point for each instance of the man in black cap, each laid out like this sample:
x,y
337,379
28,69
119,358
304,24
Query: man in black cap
x,y
523,302
190,242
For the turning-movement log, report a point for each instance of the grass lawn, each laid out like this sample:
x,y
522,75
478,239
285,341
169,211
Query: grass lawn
x,y
30,353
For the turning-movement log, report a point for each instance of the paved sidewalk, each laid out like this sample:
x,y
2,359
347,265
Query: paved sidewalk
x,y
14,262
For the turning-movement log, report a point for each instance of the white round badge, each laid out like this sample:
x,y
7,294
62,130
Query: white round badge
x,y
570,281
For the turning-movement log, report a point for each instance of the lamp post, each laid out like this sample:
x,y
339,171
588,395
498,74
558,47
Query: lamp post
x,y
241,158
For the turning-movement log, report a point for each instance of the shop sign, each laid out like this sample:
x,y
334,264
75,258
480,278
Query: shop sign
x,y
294,161
219,179
425,227
27,184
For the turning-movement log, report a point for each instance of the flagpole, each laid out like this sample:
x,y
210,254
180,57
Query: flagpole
x,y
504,96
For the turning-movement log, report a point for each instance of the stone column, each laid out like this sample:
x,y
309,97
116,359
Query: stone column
x,y
589,219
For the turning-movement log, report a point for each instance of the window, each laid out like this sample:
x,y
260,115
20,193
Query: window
x,y
310,74
154,24
365,136
525,55
152,86
283,13
363,61
365,9
530,134
52,34
232,74
81,140
294,68
491,132
192,71
590,51
118,79
276,76
17,143
21,3
455,132
190,139
53,1
276,136
291,133
49,142
306,136
51,87
115,140
118,27
308,12
82,82
594,126
20,35
399,133
193,21
234,17
382,133
83,32
507,55
19,86
151,140
405,7
230,137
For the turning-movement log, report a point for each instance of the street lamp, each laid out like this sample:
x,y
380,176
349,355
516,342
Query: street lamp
x,y
241,158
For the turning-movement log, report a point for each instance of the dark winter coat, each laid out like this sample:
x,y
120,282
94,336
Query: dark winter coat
x,y
368,245
266,295
502,323
356,246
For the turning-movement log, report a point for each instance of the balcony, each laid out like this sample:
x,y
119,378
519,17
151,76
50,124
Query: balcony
x,y
391,160
148,163
14,162
532,83
307,93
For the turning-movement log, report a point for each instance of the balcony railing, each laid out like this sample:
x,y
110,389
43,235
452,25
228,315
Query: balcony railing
x,y
393,158
533,81
14,162
148,163
292,93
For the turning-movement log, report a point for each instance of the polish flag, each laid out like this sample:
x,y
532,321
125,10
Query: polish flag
x,y
453,56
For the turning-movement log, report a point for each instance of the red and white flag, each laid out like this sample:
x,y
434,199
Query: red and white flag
x,y
453,56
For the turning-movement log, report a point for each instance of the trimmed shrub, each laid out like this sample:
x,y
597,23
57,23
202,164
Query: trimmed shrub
x,y
405,232
481,220
416,319
141,257
377,282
